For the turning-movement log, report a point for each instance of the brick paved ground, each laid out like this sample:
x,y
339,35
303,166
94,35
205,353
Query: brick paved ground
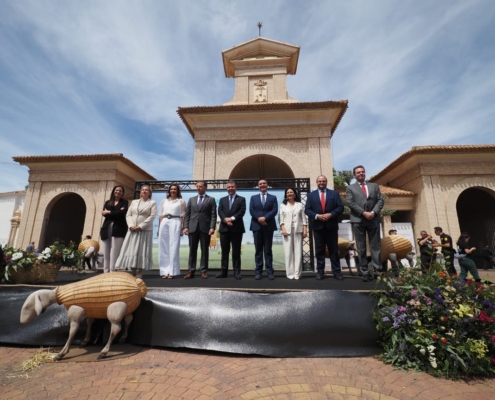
x,y
165,374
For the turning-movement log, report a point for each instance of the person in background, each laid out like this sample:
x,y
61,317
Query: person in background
x,y
30,247
447,250
137,248
114,227
426,244
294,227
487,258
172,211
467,264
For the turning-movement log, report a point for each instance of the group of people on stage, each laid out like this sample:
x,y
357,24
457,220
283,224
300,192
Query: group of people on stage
x,y
127,229
127,240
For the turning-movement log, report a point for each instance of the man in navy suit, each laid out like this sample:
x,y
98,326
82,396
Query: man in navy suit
x,y
323,208
231,209
263,208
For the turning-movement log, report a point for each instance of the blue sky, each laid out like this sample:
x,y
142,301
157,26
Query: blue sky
x,y
108,76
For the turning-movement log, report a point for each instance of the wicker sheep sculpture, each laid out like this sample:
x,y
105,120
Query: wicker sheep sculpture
x,y
114,296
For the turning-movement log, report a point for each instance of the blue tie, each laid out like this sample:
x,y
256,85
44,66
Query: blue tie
x,y
200,202
263,201
230,202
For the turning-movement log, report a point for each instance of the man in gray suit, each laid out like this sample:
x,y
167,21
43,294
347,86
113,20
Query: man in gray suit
x,y
366,202
199,223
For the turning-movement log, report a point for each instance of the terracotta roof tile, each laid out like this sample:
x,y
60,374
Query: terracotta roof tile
x,y
80,157
387,190
443,149
342,104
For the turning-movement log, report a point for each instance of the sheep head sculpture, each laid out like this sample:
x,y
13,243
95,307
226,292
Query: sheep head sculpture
x,y
114,296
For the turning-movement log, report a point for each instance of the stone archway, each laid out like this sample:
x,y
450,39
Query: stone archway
x,y
64,219
476,213
262,166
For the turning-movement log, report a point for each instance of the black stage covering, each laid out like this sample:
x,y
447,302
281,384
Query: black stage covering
x,y
280,283
319,323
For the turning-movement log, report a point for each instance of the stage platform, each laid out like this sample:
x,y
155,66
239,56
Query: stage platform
x,y
307,282
279,318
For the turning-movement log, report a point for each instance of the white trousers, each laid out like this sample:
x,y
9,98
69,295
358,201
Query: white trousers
x,y
293,254
111,250
169,243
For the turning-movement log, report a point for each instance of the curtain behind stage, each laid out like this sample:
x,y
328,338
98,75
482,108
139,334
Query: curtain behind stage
x,y
289,324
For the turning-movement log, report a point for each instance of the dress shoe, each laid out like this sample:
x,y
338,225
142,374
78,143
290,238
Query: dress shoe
x,y
339,277
257,277
238,277
319,277
204,275
271,277
189,275
221,275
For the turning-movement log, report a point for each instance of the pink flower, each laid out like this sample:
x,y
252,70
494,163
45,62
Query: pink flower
x,y
493,360
493,338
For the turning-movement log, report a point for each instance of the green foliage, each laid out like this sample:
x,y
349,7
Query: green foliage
x,y
342,178
433,323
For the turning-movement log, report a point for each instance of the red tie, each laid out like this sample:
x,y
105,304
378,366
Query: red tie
x,y
364,189
322,199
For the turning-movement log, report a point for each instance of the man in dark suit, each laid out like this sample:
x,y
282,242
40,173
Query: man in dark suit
x,y
366,202
263,208
231,209
199,224
323,208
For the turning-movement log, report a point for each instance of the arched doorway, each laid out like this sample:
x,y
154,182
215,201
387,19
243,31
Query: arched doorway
x,y
476,213
262,166
64,219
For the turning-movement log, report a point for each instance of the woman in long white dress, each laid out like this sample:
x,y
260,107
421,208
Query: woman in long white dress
x,y
172,211
137,249
294,227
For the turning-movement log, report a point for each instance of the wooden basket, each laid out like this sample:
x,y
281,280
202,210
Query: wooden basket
x,y
395,244
38,273
88,243
97,293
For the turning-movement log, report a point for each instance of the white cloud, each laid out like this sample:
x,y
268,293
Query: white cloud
x,y
107,77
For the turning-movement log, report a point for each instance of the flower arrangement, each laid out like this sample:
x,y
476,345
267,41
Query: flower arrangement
x,y
434,323
15,259
57,253
64,256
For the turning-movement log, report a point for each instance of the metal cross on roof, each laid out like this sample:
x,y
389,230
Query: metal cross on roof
x,y
260,25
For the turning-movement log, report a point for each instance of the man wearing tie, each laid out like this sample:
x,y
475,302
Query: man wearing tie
x,y
199,224
366,202
263,208
323,208
231,209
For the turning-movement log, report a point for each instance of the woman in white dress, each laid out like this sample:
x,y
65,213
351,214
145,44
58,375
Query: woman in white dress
x,y
294,228
172,211
136,251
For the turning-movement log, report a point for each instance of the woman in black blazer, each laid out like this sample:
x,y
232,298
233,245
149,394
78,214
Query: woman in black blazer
x,y
114,227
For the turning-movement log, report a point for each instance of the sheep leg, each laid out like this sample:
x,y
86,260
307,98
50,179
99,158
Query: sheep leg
x,y
115,314
348,262
89,324
76,314
127,322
